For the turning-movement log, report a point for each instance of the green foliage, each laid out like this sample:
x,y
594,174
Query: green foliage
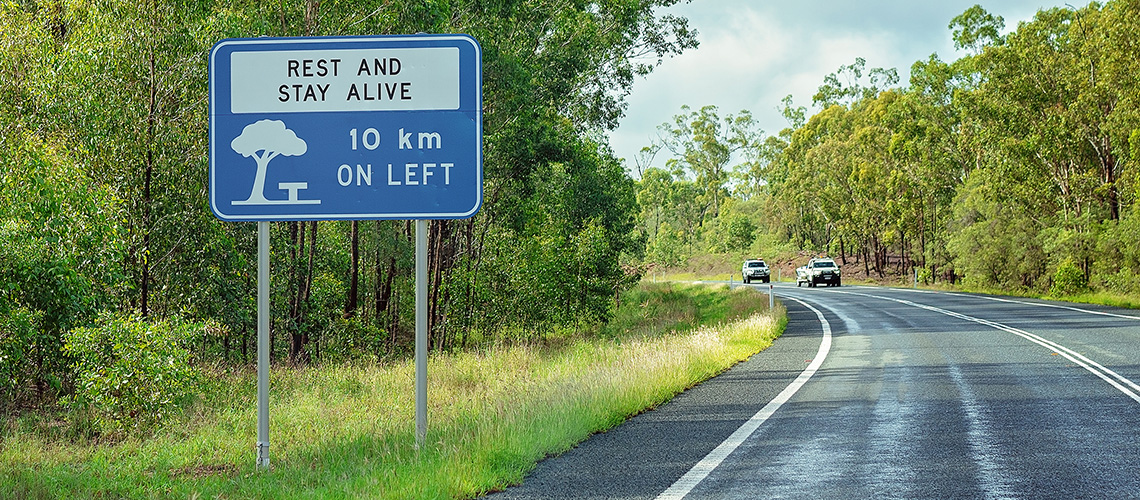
x,y
691,197
131,373
1118,270
738,231
975,28
996,246
668,248
835,92
60,262
1068,280
103,134
559,262
351,339
19,331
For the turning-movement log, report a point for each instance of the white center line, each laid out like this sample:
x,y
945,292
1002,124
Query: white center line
x,y
1121,383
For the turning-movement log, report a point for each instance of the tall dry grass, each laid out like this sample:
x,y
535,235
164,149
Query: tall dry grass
x,y
348,431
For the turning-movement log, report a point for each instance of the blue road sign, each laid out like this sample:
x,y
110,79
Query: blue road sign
x,y
346,128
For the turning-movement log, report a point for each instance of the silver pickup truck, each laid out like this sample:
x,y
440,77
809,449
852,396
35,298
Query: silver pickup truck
x,y
821,270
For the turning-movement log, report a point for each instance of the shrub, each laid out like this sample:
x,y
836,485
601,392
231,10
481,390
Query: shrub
x,y
61,251
1068,280
131,373
737,232
19,331
924,276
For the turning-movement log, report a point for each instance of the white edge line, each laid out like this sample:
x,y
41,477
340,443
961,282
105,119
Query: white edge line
x,y
710,462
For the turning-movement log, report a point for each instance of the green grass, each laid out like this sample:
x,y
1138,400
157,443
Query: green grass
x,y
1093,297
348,431
1103,298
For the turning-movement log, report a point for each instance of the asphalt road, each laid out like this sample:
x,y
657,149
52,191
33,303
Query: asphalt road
x,y
911,394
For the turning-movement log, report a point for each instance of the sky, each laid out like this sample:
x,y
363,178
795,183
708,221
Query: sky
x,y
754,52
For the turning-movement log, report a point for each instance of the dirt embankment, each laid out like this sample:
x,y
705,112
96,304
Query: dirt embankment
x,y
783,266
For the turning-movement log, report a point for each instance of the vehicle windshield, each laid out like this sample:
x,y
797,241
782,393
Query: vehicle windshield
x,y
824,263
756,264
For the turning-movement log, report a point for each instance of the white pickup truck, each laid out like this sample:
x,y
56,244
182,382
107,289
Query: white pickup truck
x,y
755,269
821,270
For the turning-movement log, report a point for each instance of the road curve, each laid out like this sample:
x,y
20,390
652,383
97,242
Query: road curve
x,y
922,395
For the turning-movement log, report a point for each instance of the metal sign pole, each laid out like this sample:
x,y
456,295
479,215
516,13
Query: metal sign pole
x,y
421,331
436,133
263,345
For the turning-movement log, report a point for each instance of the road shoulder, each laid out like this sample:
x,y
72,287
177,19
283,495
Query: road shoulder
x,y
648,453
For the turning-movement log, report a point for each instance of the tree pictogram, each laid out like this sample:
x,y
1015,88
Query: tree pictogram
x,y
264,140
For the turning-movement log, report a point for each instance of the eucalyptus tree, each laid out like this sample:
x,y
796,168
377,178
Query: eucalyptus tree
x,y
704,147
554,71
845,86
930,153
654,190
975,29
1044,109
1022,150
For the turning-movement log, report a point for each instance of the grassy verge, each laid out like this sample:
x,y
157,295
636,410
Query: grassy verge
x,y
1103,298
348,431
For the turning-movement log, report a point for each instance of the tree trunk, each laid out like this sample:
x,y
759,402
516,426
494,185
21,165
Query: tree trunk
x,y
881,259
1108,160
922,235
302,284
384,307
148,174
438,260
866,258
309,284
384,290
296,249
903,264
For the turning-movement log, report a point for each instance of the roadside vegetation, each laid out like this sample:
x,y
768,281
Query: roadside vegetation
x,y
1011,168
127,311
106,236
347,431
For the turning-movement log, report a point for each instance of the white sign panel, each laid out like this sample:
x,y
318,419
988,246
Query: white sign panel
x,y
422,79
